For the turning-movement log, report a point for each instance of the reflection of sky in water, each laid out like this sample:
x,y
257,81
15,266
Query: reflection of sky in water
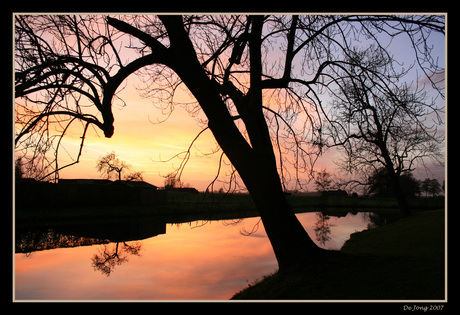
x,y
213,261
340,227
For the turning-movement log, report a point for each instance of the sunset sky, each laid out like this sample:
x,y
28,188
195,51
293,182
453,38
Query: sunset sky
x,y
144,139
143,142
146,144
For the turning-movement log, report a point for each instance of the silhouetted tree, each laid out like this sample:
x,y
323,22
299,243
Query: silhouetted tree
x,y
323,180
18,172
426,186
171,181
431,186
380,184
258,80
435,188
109,165
135,176
378,122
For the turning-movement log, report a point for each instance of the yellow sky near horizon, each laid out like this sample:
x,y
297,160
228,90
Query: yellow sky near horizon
x,y
145,143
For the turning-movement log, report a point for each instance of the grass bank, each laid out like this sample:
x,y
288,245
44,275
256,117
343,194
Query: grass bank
x,y
180,206
182,203
400,261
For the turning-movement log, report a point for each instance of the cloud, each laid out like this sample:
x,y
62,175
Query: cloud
x,y
437,78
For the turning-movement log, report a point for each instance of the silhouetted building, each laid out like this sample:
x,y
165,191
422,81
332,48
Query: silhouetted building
x,y
185,189
139,184
87,192
140,192
85,181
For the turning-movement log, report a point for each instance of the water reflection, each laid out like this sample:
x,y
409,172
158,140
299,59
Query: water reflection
x,y
59,235
47,238
156,259
323,228
111,255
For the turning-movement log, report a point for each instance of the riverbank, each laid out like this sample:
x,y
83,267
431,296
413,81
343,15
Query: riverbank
x,y
180,207
400,261
215,206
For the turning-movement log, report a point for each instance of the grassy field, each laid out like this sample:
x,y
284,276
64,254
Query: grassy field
x,y
403,260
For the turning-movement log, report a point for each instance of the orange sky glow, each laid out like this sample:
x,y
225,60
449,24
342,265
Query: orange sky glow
x,y
147,138
220,261
146,144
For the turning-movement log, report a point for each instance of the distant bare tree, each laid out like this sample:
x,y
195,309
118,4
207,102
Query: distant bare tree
x,y
323,180
135,176
171,181
378,122
111,166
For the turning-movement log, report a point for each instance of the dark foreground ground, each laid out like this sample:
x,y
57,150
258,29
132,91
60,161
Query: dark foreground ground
x,y
400,261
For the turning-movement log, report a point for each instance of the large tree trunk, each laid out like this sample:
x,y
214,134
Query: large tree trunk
x,y
399,193
291,243
395,183
255,162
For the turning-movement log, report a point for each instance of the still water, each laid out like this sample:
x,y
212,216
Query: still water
x,y
199,260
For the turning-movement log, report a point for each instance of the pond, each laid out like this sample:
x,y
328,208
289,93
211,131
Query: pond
x,y
151,260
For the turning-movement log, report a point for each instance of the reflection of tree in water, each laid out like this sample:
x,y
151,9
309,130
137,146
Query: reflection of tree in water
x,y
111,255
322,228
36,240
